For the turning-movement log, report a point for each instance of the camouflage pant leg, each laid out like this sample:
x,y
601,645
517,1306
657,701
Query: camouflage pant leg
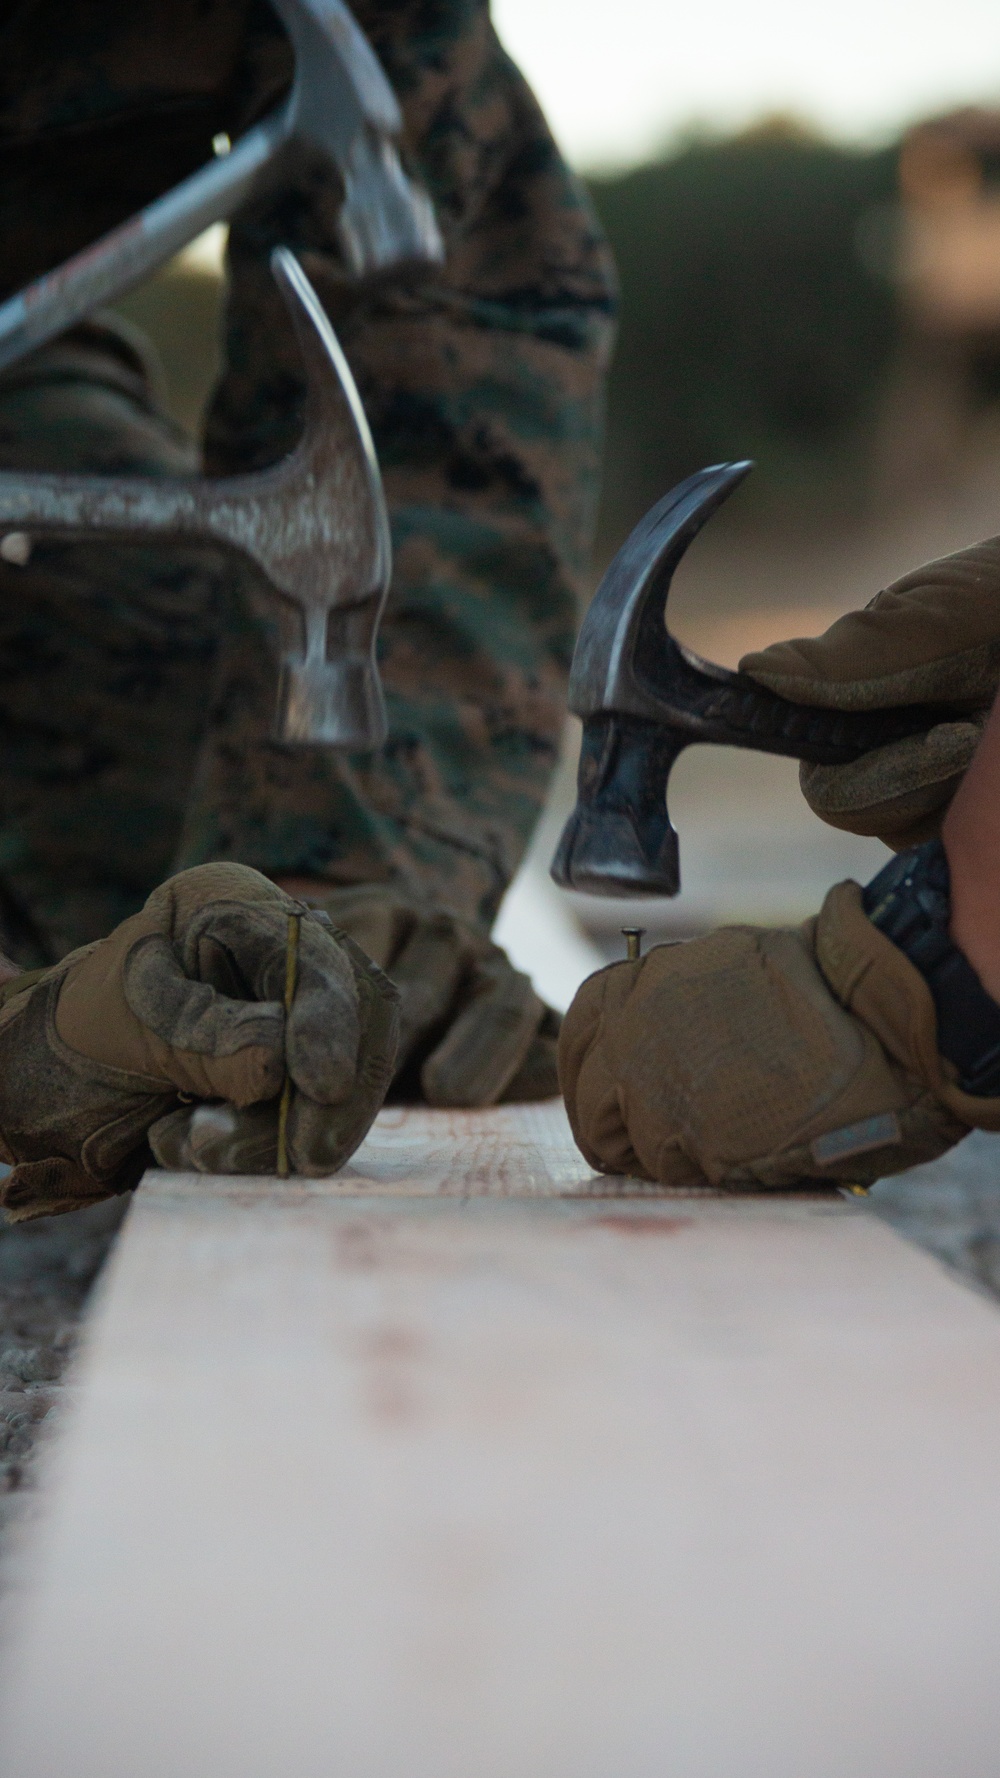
x,y
107,660
446,807
483,388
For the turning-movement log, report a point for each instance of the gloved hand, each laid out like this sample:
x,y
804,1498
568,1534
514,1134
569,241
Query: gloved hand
x,y
106,1055
759,1058
472,1029
932,637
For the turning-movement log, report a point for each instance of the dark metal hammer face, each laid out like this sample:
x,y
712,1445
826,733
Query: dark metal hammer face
x,y
314,526
644,697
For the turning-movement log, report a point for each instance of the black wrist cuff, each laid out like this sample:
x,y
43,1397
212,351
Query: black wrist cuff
x,y
910,901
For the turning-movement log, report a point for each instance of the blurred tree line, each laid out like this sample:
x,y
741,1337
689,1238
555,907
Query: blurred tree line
x,y
753,324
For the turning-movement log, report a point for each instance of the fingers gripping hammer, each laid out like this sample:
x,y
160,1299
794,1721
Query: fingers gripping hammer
x,y
314,526
644,697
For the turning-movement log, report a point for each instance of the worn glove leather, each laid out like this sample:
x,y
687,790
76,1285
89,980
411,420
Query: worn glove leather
x,y
760,1058
933,637
101,1056
472,1029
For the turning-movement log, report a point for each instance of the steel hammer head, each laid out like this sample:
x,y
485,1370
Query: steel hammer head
x,y
343,107
644,697
314,527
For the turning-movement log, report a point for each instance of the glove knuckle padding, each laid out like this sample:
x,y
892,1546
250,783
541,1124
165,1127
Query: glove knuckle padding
x,y
74,1129
129,1001
246,946
744,1057
192,1015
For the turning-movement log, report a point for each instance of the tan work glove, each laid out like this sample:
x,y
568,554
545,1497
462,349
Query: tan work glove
x,y
102,1057
472,1029
760,1058
933,637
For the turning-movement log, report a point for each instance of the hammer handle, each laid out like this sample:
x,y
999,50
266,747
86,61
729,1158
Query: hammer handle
x,y
707,703
128,253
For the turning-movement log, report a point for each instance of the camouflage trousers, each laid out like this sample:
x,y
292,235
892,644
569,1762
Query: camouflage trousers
x,y
137,689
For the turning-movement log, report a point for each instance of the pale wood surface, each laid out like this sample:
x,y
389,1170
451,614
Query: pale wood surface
x,y
424,1486
519,1151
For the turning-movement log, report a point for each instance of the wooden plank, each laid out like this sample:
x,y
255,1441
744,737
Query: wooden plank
x,y
510,1151
547,1486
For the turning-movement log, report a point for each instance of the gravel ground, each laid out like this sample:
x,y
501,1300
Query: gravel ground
x,y
47,1269
951,1207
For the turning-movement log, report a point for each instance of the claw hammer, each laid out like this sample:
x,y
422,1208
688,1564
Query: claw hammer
x,y
643,697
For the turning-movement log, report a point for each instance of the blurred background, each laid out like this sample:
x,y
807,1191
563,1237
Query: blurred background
x,y
805,210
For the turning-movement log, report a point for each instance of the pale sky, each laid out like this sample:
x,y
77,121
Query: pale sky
x,y
620,77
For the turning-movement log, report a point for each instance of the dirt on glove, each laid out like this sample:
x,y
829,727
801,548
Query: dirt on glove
x,y
110,1056
932,637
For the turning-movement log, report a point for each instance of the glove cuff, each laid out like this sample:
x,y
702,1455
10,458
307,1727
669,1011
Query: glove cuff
x,y
910,901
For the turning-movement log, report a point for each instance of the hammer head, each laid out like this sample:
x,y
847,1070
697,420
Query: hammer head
x,y
314,527
343,107
643,697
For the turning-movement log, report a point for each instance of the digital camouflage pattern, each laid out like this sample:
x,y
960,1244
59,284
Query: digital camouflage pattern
x,y
136,687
